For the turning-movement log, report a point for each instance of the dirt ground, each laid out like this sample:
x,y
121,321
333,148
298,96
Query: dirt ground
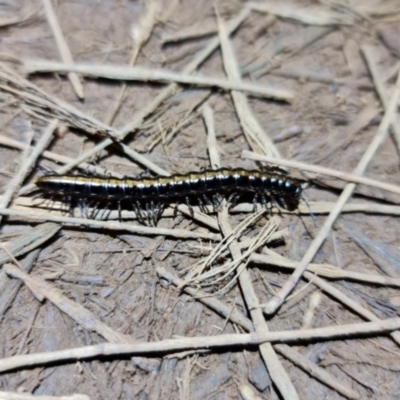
x,y
88,282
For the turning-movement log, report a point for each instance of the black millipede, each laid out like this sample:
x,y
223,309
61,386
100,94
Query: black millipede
x,y
271,186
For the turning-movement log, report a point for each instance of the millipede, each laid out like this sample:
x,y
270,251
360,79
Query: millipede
x,y
274,186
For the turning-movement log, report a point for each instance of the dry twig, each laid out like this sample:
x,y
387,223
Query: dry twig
x,y
152,75
226,341
28,165
62,45
345,176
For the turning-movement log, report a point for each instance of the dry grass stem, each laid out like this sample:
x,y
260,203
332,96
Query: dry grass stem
x,y
311,15
212,146
58,158
345,176
152,75
9,288
27,165
309,314
190,33
221,248
226,341
111,225
62,45
255,135
17,20
138,158
276,370
49,105
381,134
220,273
326,270
28,396
30,240
313,207
379,86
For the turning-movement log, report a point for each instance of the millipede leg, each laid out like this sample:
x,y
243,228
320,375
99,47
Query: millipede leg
x,y
255,202
139,214
119,211
187,200
217,201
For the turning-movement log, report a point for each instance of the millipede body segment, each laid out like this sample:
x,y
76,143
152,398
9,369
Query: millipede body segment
x,y
209,182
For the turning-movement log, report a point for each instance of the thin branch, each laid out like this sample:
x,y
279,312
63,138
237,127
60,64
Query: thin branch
x,y
139,74
42,102
111,225
29,241
203,342
62,45
28,165
311,15
345,176
15,144
327,271
29,396
255,135
379,86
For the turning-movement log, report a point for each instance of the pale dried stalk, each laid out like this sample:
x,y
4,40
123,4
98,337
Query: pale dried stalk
x,y
381,134
345,176
226,341
379,86
112,225
253,131
29,396
228,268
34,96
156,75
62,45
313,207
29,241
311,15
15,144
28,165
222,246
326,270
16,20
42,289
